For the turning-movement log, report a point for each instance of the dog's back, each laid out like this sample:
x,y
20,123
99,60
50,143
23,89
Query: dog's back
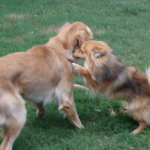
x,y
122,80
134,84
34,71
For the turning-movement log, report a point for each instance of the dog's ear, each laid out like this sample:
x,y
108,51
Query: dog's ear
x,y
64,26
98,53
80,37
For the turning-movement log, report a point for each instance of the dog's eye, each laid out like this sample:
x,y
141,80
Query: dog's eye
x,y
81,51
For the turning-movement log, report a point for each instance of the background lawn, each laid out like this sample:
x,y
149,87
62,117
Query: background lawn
x,y
124,25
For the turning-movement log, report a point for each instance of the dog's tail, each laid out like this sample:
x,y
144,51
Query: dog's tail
x,y
148,75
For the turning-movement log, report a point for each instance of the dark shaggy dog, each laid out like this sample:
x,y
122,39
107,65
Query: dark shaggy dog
x,y
104,72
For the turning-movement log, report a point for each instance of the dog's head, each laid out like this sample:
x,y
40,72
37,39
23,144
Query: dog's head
x,y
100,61
95,52
72,36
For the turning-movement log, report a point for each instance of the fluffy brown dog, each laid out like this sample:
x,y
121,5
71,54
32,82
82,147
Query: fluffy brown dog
x,y
104,72
40,74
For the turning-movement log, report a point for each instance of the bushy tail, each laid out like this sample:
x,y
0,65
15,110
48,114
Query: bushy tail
x,y
148,75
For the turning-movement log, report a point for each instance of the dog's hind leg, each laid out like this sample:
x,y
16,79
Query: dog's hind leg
x,y
13,113
40,110
142,126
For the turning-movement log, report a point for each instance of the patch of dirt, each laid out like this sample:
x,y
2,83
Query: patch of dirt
x,y
50,29
99,31
17,39
15,15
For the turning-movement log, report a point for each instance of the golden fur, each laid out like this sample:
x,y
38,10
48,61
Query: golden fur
x,y
40,74
104,72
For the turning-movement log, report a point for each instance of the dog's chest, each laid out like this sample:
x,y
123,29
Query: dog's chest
x,y
86,65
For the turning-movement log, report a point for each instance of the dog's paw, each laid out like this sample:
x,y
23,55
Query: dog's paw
x,y
135,132
75,66
41,114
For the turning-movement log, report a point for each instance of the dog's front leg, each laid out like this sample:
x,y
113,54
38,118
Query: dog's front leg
x,y
85,73
142,126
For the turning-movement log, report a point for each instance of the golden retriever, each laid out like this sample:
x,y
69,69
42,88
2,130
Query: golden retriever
x,y
105,73
39,75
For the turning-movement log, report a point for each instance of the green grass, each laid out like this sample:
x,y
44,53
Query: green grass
x,y
124,25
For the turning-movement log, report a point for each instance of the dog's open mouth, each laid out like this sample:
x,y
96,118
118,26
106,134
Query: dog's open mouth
x,y
75,56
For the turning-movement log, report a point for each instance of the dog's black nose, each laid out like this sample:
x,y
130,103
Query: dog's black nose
x,y
73,51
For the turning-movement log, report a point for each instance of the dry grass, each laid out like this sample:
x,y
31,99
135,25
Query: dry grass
x,y
50,29
100,32
14,15
17,39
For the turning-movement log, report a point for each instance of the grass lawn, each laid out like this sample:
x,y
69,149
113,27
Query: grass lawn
x,y
124,25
